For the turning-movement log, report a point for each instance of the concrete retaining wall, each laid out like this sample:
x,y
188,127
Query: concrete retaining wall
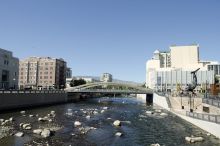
x,y
210,127
20,99
161,101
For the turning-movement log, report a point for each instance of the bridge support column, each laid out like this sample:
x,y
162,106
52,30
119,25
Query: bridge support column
x,y
146,98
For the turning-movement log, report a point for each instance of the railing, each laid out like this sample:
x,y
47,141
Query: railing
x,y
212,102
30,91
204,117
109,90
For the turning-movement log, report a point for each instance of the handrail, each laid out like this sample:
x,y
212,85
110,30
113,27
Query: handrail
x,y
212,102
30,91
204,117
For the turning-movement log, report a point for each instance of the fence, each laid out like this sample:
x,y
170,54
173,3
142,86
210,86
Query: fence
x,y
31,91
204,117
212,102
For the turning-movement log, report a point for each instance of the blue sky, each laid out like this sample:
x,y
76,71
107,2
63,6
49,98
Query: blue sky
x,y
115,36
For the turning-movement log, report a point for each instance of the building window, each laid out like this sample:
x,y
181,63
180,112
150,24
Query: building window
x,y
6,62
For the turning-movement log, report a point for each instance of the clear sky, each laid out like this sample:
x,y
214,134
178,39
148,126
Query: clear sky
x,y
115,36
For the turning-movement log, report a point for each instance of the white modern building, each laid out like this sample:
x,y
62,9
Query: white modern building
x,y
167,70
9,70
106,77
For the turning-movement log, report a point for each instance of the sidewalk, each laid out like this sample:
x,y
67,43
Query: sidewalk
x,y
210,127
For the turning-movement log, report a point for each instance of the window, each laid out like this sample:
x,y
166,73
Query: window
x,y
6,62
45,77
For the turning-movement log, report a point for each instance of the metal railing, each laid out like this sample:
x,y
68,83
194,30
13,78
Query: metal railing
x,y
212,102
204,117
110,91
30,91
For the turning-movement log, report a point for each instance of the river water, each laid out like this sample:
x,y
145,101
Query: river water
x,y
138,127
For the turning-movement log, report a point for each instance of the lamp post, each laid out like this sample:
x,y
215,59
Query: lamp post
x,y
14,82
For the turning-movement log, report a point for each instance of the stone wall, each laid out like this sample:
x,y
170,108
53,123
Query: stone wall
x,y
20,99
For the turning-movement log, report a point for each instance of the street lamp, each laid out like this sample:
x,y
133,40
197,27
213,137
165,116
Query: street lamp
x,y
14,82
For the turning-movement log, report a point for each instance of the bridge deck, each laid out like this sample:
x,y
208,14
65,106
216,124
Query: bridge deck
x,y
112,91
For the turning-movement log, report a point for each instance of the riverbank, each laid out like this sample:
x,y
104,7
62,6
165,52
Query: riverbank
x,y
210,127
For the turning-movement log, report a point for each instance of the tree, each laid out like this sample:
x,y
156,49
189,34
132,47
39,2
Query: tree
x,y
74,83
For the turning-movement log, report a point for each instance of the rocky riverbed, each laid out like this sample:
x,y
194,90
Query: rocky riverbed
x,y
100,121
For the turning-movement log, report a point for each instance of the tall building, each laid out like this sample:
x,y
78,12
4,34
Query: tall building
x,y
106,77
68,72
185,56
167,70
9,68
42,72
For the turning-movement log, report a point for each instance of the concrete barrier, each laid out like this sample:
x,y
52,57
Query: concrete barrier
x,y
161,101
19,99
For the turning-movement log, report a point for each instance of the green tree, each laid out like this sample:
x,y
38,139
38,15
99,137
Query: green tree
x,y
74,83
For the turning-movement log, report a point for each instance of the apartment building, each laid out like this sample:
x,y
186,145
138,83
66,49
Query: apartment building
x,y
42,72
9,68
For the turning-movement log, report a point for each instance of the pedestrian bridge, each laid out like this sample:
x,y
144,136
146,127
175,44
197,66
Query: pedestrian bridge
x,y
109,87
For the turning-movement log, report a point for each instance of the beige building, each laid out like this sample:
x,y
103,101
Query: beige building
x,y
184,56
8,70
42,72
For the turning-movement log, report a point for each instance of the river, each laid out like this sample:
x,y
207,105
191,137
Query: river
x,y
138,127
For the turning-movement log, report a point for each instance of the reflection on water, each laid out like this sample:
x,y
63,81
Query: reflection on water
x,y
139,126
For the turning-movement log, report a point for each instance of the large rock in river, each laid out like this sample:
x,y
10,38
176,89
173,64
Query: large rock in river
x,y
117,123
46,133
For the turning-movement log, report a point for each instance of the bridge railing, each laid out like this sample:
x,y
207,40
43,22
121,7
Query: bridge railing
x,y
30,91
109,90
